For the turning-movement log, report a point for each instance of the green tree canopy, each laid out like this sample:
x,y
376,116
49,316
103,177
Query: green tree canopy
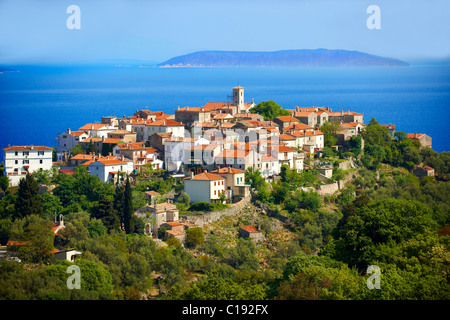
x,y
269,110
28,199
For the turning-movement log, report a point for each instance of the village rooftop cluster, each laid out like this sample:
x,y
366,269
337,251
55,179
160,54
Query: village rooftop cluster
x,y
209,147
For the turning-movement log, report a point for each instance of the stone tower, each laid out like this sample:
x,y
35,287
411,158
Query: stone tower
x,y
238,98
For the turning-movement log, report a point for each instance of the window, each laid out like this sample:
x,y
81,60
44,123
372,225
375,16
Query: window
x,y
26,161
16,153
16,161
40,153
41,161
26,153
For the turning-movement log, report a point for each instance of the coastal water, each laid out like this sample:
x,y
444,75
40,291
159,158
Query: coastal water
x,y
38,102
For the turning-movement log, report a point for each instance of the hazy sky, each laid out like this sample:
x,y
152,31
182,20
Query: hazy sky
x,y
156,30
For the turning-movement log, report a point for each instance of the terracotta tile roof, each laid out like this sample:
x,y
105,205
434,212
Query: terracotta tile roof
x,y
249,229
287,119
223,116
77,133
414,135
164,123
82,156
164,116
233,153
428,168
132,146
203,147
111,162
88,140
66,171
152,193
227,125
268,157
96,159
26,148
112,140
281,149
93,126
173,223
299,126
226,170
286,137
152,150
206,176
350,125
193,109
297,133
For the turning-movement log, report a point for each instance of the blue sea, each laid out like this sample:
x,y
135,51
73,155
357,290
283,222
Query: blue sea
x,y
38,102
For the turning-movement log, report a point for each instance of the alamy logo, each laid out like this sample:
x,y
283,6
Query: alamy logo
x,y
374,281
74,20
374,20
74,281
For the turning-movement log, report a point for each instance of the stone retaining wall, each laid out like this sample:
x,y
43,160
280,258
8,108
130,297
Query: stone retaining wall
x,y
212,216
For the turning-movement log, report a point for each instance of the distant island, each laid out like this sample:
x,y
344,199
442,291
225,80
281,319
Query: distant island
x,y
283,58
3,69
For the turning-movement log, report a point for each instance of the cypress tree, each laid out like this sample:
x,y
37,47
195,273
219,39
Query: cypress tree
x,y
104,211
128,208
118,204
28,200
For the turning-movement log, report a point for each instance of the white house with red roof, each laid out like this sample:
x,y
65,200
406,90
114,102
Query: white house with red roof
x,y
163,125
20,160
107,168
69,139
97,129
268,165
287,155
204,187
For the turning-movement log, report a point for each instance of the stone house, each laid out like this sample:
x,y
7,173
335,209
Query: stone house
x,y
424,171
250,232
235,182
157,214
425,140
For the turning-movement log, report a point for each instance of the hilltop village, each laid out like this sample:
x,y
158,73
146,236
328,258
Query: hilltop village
x,y
208,148
229,200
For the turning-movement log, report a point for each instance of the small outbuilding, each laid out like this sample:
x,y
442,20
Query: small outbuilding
x,y
250,232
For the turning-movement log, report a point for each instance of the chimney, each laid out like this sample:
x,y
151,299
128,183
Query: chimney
x,y
192,175
342,112
229,169
415,135
31,147
68,130
124,116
